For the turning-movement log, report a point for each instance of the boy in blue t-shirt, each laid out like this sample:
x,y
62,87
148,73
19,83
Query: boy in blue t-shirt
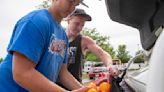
x,y
37,52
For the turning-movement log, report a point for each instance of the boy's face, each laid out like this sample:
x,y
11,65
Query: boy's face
x,y
76,24
65,7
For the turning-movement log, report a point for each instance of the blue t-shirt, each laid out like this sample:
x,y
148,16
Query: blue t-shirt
x,y
38,37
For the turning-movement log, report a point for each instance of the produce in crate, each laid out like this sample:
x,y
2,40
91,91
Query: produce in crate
x,y
102,87
92,85
92,90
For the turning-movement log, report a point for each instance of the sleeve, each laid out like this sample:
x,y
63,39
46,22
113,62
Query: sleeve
x,y
66,50
28,41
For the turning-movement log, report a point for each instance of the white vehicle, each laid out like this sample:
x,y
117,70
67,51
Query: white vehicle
x,y
147,17
88,65
91,66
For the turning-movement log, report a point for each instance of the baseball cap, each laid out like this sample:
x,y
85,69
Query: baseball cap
x,y
82,3
81,12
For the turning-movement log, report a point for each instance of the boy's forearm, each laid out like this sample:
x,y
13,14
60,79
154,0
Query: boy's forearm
x,y
101,54
25,75
105,58
68,80
33,81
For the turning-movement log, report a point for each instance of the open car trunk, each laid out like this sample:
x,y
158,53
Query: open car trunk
x,y
145,15
148,17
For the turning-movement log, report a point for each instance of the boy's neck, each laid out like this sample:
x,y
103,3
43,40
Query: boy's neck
x,y
55,15
70,36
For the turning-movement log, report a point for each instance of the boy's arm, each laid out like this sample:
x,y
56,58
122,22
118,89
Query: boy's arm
x,y
89,44
67,79
26,76
106,58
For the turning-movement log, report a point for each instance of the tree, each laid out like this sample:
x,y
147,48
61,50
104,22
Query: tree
x,y
1,59
44,4
102,41
140,59
122,54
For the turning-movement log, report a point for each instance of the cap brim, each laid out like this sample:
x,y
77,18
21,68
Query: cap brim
x,y
82,3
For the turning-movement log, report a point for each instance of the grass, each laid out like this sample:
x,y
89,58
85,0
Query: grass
x,y
85,76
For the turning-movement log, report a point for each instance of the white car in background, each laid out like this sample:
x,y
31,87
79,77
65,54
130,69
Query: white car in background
x,y
87,66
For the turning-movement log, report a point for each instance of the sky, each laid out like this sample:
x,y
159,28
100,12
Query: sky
x,y
13,10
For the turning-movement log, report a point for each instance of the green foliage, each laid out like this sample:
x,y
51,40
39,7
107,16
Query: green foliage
x,y
1,59
44,4
122,54
90,57
140,59
102,41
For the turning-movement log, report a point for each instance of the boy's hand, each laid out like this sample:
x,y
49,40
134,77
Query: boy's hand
x,y
83,89
113,70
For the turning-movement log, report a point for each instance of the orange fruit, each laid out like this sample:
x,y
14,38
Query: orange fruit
x,y
98,89
104,87
92,90
92,85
